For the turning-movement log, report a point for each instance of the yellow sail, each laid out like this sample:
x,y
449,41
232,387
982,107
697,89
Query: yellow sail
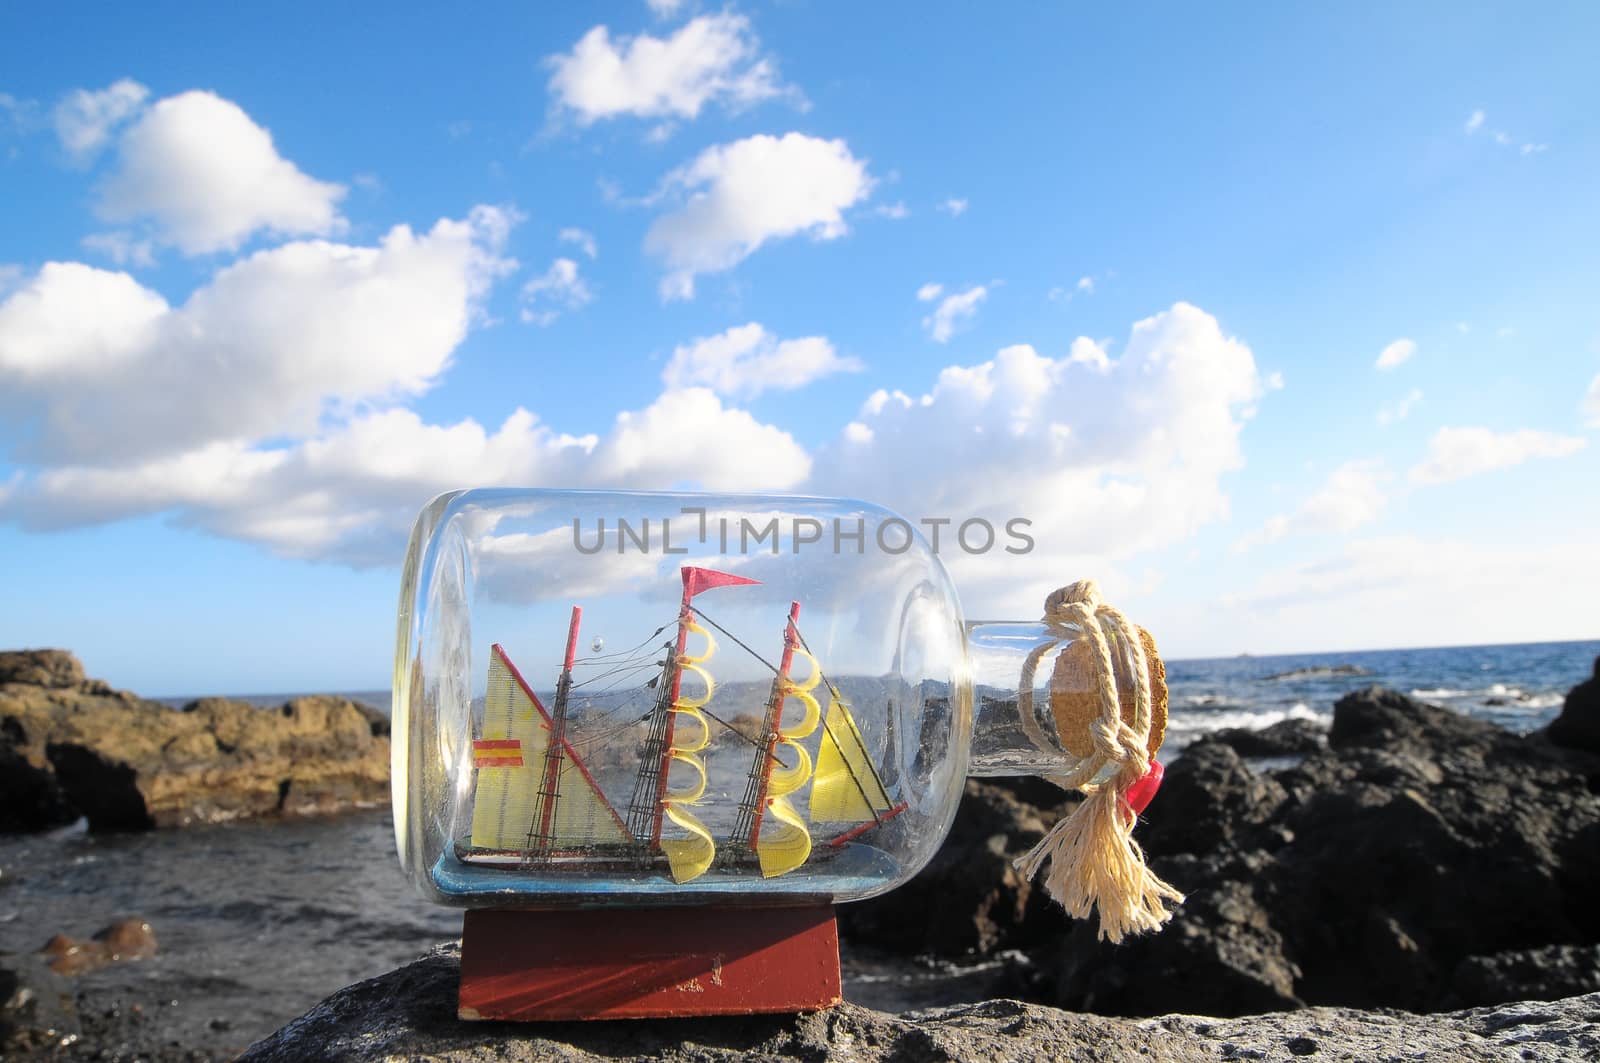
x,y
690,857
847,788
785,843
510,757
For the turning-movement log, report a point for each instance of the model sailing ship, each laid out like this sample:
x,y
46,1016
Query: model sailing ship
x,y
536,804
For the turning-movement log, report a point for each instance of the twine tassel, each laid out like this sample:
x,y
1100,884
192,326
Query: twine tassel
x,y
1096,865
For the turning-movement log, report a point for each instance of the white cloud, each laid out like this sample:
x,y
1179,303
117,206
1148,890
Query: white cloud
x,y
687,438
710,58
1396,353
1590,407
954,207
954,311
557,289
1504,139
1352,496
1400,410
94,367
896,211
1108,458
1456,453
1408,591
123,248
582,239
664,8
351,493
1062,293
738,196
208,177
746,360
84,120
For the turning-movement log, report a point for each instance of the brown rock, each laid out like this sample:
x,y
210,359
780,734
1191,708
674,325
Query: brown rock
x,y
126,939
49,669
129,764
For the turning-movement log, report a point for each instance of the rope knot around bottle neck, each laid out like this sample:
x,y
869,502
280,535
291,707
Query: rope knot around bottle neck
x,y
1095,865
1085,592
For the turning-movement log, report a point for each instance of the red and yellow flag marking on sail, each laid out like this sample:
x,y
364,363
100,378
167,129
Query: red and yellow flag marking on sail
x,y
497,753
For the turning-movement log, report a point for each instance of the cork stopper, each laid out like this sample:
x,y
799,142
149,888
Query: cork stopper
x,y
1075,704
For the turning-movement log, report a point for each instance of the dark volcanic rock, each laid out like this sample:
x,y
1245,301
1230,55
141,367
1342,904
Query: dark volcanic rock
x,y
1223,802
71,745
410,1014
1409,862
1222,950
30,796
1530,974
1363,876
968,899
1286,738
1578,726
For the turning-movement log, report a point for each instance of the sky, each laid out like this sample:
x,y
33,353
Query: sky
x,y
1283,323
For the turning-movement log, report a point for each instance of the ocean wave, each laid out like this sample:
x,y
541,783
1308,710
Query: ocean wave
x,y
1495,695
1191,726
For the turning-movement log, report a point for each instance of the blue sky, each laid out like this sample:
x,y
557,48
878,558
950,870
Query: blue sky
x,y
1127,273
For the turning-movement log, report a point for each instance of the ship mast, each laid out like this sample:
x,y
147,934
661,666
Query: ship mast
x,y
647,807
747,826
540,837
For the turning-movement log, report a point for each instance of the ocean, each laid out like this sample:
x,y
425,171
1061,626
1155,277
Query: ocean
x,y
258,921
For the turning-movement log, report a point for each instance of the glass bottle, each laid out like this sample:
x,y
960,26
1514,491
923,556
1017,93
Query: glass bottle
x,y
651,699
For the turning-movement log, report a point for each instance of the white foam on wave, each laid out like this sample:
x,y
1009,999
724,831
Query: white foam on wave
x,y
1506,695
1191,725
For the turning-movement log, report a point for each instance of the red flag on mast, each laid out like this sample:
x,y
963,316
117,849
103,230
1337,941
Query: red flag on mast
x,y
696,580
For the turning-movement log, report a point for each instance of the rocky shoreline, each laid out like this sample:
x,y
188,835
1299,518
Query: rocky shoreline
x,y
71,747
1408,880
1410,857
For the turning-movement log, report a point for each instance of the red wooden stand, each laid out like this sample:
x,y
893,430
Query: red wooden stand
x,y
633,963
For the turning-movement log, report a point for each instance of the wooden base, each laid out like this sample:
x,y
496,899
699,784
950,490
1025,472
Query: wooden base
x,y
636,963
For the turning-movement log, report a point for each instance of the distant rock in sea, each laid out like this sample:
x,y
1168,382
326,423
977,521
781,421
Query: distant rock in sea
x,y
72,746
1319,672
